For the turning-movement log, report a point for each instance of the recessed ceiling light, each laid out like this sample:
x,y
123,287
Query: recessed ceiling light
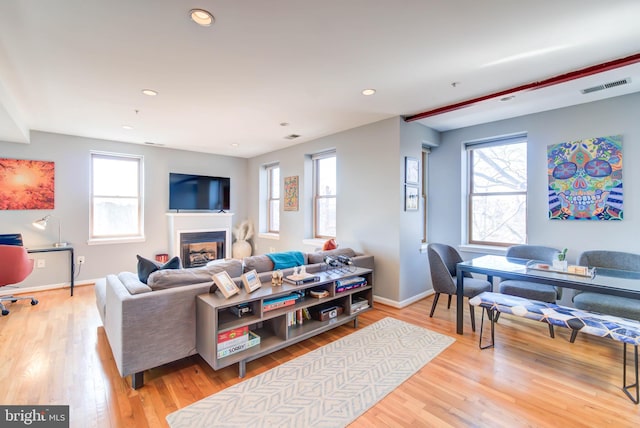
x,y
234,144
127,127
201,17
150,92
368,92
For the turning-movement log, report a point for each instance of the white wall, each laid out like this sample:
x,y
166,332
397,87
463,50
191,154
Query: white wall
x,y
602,118
415,277
370,201
72,183
368,196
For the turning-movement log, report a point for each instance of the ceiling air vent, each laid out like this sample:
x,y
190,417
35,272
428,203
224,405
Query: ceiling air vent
x,y
292,136
606,85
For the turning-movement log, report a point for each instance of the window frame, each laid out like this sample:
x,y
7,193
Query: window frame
x,y
470,147
269,169
117,238
317,197
426,151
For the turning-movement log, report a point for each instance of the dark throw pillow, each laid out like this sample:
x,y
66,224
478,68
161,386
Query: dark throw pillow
x,y
146,267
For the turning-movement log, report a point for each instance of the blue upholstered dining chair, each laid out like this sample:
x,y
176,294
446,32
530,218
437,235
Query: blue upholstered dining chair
x,y
604,303
531,290
442,264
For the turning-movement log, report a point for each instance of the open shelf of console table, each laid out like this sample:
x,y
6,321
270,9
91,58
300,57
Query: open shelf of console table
x,y
214,315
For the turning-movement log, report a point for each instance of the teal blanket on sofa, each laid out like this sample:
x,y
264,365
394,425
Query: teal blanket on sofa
x,y
286,259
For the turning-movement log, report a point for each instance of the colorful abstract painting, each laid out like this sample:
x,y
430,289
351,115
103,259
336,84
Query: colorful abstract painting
x,y
585,179
291,193
26,184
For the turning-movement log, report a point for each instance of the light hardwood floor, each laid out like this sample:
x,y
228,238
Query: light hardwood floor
x,y
57,353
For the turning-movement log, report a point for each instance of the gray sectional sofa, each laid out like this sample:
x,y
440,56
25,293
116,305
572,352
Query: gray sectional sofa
x,y
148,325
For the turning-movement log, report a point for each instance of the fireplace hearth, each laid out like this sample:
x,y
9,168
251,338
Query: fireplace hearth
x,y
199,248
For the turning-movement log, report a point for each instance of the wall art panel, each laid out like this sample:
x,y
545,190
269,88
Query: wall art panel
x,y
26,184
585,179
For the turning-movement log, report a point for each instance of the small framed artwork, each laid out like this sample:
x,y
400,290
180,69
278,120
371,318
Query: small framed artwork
x,y
251,281
410,198
291,193
411,170
225,284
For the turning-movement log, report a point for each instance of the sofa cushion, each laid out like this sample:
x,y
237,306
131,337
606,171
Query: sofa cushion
x,y
146,267
232,266
162,279
260,263
132,283
318,257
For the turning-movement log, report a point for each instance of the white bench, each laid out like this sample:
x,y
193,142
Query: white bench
x,y
620,329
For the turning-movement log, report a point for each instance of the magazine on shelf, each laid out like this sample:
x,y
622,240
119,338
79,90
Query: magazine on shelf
x,y
359,304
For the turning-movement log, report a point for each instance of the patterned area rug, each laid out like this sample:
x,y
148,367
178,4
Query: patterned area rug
x,y
328,387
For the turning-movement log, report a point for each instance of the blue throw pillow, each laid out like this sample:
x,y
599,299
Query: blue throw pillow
x,y
287,259
146,267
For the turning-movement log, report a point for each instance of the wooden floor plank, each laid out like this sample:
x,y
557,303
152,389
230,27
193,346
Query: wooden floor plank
x,y
57,353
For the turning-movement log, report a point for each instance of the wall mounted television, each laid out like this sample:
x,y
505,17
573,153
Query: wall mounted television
x,y
198,192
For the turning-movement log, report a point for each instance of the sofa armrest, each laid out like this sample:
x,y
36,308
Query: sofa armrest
x,y
363,261
150,329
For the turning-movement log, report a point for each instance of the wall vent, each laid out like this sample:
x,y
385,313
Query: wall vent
x,y
606,85
292,136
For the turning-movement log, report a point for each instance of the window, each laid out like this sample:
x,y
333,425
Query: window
x,y
116,201
324,194
497,199
273,198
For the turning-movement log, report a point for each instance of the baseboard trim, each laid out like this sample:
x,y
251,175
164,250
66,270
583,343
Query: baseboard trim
x,y
8,290
404,303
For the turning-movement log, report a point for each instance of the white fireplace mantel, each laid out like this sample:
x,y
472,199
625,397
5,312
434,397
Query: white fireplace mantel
x,y
198,222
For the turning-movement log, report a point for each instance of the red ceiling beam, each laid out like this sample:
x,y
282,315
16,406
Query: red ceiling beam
x,y
578,74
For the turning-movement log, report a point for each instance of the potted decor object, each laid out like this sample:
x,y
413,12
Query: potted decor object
x,y
243,232
561,262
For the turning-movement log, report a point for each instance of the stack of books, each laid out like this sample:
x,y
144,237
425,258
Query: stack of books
x,y
350,283
358,304
232,338
280,302
252,339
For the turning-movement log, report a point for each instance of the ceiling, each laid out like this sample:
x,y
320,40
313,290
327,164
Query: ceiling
x,y
78,66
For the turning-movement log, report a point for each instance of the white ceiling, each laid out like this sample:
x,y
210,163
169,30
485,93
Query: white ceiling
x,y
78,66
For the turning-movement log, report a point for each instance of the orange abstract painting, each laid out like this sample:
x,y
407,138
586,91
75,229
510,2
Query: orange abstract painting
x,y
26,184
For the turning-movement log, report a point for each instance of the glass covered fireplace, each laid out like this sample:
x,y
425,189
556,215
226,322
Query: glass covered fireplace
x,y
199,248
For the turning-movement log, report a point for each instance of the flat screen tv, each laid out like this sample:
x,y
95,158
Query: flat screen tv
x,y
198,192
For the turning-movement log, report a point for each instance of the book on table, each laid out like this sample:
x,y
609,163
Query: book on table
x,y
279,302
301,278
